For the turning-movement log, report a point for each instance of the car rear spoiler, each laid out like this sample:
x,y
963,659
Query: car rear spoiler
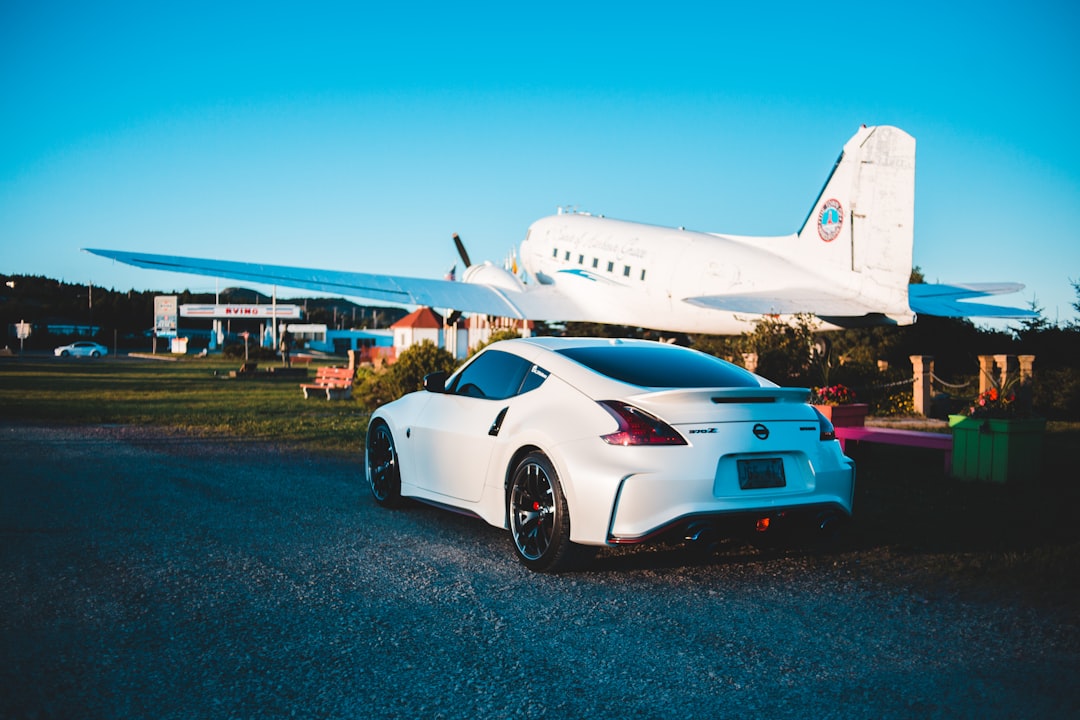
x,y
724,395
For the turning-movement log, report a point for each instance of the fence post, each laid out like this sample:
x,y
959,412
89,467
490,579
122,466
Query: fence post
x,y
923,365
1008,369
1027,367
986,373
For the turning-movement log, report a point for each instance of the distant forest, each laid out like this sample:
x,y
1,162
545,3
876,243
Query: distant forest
x,y
126,318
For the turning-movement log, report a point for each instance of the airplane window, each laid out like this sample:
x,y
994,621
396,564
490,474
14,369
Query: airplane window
x,y
595,262
567,255
642,273
580,259
626,271
554,252
610,266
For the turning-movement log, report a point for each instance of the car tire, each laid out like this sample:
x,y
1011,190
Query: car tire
x,y
381,461
95,354
539,517
64,353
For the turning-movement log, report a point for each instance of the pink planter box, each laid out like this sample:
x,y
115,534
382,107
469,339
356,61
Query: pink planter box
x,y
853,415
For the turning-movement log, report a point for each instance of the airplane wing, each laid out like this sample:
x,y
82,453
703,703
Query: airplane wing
x,y
924,299
790,301
950,300
463,296
491,293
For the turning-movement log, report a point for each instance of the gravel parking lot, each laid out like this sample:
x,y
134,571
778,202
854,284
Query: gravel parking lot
x,y
150,575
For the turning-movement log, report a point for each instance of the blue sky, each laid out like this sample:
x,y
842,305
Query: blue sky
x,y
362,136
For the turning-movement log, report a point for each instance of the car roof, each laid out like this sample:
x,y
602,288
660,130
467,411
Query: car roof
x,y
560,343
549,353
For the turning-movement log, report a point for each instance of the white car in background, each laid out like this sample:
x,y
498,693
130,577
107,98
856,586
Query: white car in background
x,y
82,348
577,442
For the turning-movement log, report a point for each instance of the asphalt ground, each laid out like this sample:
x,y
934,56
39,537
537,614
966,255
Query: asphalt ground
x,y
147,575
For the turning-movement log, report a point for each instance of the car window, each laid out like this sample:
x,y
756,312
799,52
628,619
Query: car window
x,y
533,379
497,375
661,366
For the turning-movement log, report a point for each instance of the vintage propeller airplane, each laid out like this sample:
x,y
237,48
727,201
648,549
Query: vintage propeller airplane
x,y
849,264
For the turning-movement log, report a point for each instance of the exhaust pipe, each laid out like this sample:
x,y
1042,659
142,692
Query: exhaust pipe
x,y
696,532
702,536
828,524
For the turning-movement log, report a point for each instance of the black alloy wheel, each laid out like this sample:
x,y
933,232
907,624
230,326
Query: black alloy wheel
x,y
383,472
539,519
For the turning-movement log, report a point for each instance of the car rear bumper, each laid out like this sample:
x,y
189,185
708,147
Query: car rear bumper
x,y
816,518
647,504
621,495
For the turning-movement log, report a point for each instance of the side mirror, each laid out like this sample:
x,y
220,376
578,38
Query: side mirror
x,y
436,382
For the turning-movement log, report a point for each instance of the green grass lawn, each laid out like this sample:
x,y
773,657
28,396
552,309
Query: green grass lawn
x,y
195,395
911,521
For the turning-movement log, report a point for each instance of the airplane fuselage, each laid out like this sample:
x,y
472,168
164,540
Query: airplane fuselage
x,y
647,276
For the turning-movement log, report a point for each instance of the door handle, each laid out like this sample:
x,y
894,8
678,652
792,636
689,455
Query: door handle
x,y
497,425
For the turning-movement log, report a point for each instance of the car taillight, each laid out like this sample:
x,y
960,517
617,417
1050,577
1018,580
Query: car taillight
x,y
637,427
828,432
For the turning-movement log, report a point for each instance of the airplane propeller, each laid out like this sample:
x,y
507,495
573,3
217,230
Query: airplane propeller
x,y
455,315
461,250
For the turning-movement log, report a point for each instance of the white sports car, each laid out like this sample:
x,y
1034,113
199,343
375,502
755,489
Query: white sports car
x,y
576,442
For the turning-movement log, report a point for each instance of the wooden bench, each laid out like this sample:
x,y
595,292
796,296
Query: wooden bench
x,y
333,382
890,436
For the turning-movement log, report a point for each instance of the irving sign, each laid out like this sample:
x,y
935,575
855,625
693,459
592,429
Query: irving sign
x,y
254,312
165,316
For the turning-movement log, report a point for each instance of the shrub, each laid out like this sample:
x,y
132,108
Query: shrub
x,y
895,401
1056,393
377,387
371,388
783,350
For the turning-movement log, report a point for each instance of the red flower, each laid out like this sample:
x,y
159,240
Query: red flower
x,y
996,403
833,395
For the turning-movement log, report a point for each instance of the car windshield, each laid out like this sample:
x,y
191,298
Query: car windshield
x,y
661,366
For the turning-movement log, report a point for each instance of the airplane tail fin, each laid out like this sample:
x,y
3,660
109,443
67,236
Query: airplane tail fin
x,y
860,230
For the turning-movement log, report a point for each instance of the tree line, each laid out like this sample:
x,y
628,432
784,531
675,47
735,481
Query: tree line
x,y
127,317
873,361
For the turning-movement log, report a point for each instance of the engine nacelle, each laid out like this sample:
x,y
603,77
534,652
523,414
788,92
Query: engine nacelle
x,y
488,274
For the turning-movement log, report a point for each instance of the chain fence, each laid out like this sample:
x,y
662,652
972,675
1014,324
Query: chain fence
x,y
959,386
897,397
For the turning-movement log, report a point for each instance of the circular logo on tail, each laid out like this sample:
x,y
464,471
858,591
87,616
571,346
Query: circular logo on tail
x,y
830,220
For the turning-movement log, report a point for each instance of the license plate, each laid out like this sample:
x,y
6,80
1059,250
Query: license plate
x,y
761,473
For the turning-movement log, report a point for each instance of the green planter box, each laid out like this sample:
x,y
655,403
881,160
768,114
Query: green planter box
x,y
997,450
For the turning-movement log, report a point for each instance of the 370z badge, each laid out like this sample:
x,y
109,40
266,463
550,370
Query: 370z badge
x,y
830,220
